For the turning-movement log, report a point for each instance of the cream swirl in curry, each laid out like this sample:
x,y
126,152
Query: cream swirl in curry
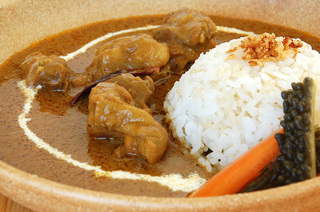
x,y
173,181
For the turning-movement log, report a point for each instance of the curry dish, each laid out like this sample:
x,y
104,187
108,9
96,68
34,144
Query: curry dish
x,y
164,53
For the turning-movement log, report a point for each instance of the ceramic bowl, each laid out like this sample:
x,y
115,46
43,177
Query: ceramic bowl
x,y
26,21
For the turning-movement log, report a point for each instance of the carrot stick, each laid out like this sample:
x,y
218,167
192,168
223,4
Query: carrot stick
x,y
242,171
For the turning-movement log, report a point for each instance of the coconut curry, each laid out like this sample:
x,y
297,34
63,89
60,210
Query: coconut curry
x,y
147,149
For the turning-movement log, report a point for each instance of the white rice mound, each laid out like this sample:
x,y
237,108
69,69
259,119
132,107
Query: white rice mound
x,y
229,106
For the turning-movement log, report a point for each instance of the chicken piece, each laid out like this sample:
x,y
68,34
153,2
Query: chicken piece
x,y
125,53
48,71
187,34
118,110
139,89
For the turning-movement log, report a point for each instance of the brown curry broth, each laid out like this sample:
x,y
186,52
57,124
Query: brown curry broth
x,y
64,127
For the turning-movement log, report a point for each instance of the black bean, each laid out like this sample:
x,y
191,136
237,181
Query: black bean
x,y
284,151
300,94
280,137
281,178
273,177
294,113
290,126
288,165
288,145
283,124
290,98
281,158
283,172
290,154
287,117
301,107
308,93
306,118
306,121
299,172
301,147
278,166
300,86
294,145
305,168
295,102
291,108
299,134
286,106
292,138
298,122
284,95
294,174
288,133
288,182
296,161
307,107
300,157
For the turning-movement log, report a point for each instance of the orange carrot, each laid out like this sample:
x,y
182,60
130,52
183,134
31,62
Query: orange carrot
x,y
242,171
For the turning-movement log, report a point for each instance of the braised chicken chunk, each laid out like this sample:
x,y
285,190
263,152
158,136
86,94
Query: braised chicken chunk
x,y
117,108
48,71
125,53
139,89
187,34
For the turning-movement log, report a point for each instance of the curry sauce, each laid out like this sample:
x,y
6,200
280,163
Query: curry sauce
x,y
64,127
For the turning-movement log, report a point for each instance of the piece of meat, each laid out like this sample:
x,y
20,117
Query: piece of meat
x,y
48,71
139,52
139,89
118,109
187,34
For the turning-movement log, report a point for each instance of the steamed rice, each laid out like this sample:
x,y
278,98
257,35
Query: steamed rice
x,y
228,106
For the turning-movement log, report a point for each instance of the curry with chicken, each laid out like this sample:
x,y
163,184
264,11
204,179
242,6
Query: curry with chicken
x,y
120,125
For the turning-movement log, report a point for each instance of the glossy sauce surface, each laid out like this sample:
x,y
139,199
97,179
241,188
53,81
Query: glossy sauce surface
x,y
63,127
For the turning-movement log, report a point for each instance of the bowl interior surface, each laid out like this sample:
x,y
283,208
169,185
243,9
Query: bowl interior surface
x,y
25,22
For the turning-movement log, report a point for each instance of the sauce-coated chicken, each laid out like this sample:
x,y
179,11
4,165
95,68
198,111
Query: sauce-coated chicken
x,y
138,52
187,33
48,71
117,108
